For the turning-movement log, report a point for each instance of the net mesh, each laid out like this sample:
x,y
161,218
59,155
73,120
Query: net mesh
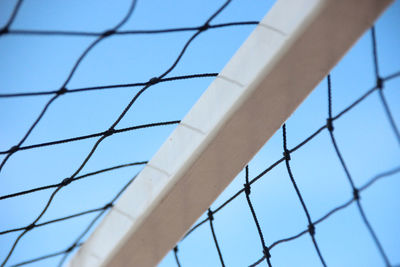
x,y
254,189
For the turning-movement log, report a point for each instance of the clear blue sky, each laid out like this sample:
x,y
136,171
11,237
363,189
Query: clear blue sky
x,y
40,63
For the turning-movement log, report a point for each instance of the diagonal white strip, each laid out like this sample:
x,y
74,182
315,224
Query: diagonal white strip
x,y
261,86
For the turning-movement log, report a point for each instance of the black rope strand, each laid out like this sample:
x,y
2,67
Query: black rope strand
x,y
216,13
375,53
211,219
247,190
391,76
32,226
311,227
43,257
6,28
79,138
350,179
380,84
73,180
378,177
176,256
94,88
389,116
126,32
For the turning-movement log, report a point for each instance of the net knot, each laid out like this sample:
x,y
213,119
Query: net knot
x,y
210,215
379,83
205,27
70,248
176,249
286,154
153,80
30,227
266,253
329,124
108,33
4,30
356,194
107,206
66,181
311,229
109,132
247,188
62,91
13,149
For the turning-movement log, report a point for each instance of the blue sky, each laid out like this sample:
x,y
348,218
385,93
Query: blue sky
x,y
39,63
